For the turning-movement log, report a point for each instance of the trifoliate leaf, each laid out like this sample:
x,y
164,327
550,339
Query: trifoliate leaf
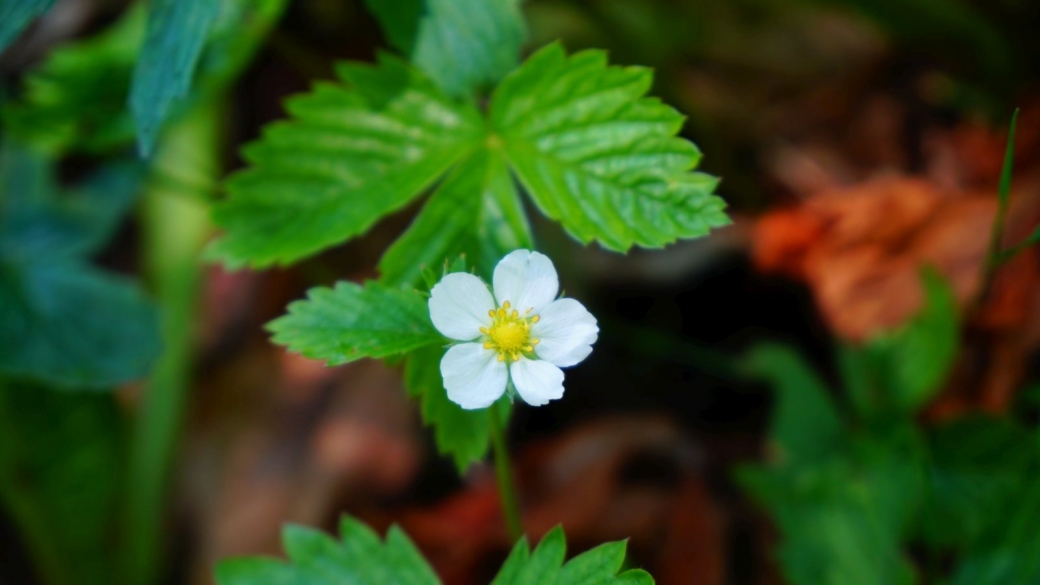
x,y
348,158
350,322
598,566
598,156
476,211
463,435
64,321
15,15
360,558
463,45
805,424
176,32
60,459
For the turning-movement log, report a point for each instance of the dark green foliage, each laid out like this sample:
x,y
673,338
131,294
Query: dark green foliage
x,y
60,466
851,490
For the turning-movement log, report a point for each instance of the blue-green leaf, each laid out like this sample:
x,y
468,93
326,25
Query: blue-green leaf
x,y
64,321
15,15
598,156
75,100
463,45
70,324
176,32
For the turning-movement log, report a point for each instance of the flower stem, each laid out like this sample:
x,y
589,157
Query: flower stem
x,y
175,216
504,474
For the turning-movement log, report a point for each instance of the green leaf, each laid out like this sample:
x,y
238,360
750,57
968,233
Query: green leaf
x,y
77,97
359,559
914,361
64,321
176,32
805,424
15,15
598,566
598,156
837,518
348,158
350,322
476,211
60,461
463,45
463,435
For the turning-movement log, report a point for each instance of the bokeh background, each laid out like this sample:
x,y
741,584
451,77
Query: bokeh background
x,y
857,141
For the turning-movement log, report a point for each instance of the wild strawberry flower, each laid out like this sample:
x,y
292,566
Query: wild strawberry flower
x,y
521,333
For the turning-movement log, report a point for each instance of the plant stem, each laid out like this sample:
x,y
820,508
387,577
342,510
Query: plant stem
x,y
994,255
504,474
175,224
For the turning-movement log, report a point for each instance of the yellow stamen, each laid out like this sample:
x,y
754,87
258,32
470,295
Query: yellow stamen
x,y
509,334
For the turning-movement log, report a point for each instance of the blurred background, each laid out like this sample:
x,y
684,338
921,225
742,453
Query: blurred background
x,y
858,141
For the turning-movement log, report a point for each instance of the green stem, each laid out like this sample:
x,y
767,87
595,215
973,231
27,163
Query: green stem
x,y
994,255
504,474
175,225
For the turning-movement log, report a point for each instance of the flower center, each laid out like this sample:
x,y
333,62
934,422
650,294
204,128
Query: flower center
x,y
509,334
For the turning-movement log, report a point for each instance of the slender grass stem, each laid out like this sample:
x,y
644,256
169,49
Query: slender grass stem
x,y
995,254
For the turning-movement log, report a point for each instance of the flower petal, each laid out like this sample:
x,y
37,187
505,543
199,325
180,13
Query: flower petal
x,y
526,279
459,306
473,376
536,381
565,331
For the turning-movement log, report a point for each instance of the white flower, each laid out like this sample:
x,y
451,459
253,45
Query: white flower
x,y
521,332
